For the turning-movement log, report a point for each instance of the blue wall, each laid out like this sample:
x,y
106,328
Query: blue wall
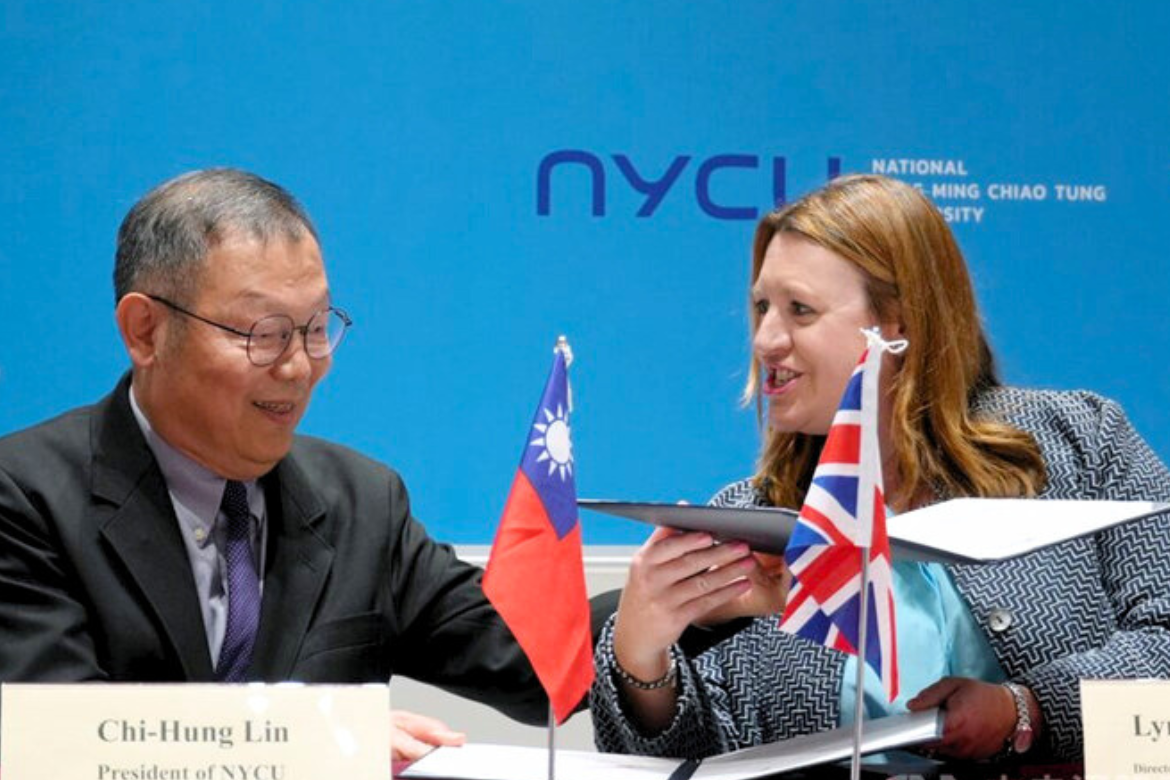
x,y
415,131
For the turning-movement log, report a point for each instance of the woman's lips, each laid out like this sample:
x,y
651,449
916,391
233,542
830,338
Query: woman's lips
x,y
780,380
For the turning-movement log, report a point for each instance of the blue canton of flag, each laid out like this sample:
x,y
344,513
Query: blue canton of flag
x,y
844,512
548,458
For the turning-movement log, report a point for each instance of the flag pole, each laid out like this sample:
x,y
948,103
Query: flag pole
x,y
563,347
552,742
874,341
859,704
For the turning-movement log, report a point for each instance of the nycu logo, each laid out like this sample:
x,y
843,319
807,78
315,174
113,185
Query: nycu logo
x,y
655,190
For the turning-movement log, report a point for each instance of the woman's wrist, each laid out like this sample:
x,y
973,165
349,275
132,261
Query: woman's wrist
x,y
646,672
1034,712
650,704
669,678
1026,727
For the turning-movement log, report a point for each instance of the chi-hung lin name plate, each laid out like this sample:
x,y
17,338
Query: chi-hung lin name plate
x,y
1127,729
100,731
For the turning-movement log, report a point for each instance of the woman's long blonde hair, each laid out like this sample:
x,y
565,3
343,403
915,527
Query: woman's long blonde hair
x,y
915,274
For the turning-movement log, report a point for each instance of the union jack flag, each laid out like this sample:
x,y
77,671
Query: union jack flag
x,y
845,511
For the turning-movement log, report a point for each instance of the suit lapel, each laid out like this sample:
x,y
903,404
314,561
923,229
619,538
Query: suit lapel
x,y
298,564
142,530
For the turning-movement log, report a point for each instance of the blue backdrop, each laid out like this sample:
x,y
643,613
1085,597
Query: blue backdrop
x,y
486,176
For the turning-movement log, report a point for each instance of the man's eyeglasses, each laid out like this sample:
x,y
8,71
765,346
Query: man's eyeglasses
x,y
269,337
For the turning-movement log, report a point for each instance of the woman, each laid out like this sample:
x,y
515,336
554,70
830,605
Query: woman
x,y
1000,647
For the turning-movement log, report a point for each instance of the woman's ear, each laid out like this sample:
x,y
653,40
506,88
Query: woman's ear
x,y
893,327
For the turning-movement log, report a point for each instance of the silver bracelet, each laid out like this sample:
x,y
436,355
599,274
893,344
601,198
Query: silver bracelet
x,y
1024,734
665,680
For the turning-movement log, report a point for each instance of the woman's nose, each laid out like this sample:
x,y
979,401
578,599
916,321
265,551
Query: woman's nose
x,y
772,338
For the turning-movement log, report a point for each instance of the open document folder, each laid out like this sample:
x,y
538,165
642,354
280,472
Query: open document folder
x,y
500,762
962,530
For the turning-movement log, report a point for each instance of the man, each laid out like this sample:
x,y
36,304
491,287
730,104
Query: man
x,y
179,530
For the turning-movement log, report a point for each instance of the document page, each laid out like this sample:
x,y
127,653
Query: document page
x,y
501,762
505,762
977,530
824,747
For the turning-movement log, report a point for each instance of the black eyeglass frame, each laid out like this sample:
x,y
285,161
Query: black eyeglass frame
x,y
247,334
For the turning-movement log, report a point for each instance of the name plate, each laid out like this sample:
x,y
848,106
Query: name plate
x,y
1127,729
98,731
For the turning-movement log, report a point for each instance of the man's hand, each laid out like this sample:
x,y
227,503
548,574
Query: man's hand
x,y
980,716
412,736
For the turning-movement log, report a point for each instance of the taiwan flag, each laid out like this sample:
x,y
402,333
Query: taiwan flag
x,y
535,576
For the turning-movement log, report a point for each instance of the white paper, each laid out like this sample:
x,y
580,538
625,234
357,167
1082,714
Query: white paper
x,y
504,762
824,747
500,762
990,529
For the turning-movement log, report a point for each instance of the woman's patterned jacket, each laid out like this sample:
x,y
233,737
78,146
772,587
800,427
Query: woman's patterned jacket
x,y
1094,607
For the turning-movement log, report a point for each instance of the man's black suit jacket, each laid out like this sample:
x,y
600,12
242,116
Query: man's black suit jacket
x,y
95,583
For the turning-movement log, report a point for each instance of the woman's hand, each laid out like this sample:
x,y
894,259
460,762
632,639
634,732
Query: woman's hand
x,y
979,717
675,579
770,581
681,578
412,736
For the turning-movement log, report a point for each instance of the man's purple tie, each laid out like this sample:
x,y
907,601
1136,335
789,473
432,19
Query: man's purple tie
x,y
243,587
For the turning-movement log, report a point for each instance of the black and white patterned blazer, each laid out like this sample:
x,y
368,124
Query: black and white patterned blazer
x,y
1095,607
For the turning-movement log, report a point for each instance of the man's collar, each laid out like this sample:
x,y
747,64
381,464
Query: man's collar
x,y
190,483
121,460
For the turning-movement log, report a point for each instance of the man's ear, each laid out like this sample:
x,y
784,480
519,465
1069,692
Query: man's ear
x,y
140,323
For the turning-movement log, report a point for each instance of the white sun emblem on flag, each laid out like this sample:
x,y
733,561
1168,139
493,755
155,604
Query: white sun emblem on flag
x,y
554,439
